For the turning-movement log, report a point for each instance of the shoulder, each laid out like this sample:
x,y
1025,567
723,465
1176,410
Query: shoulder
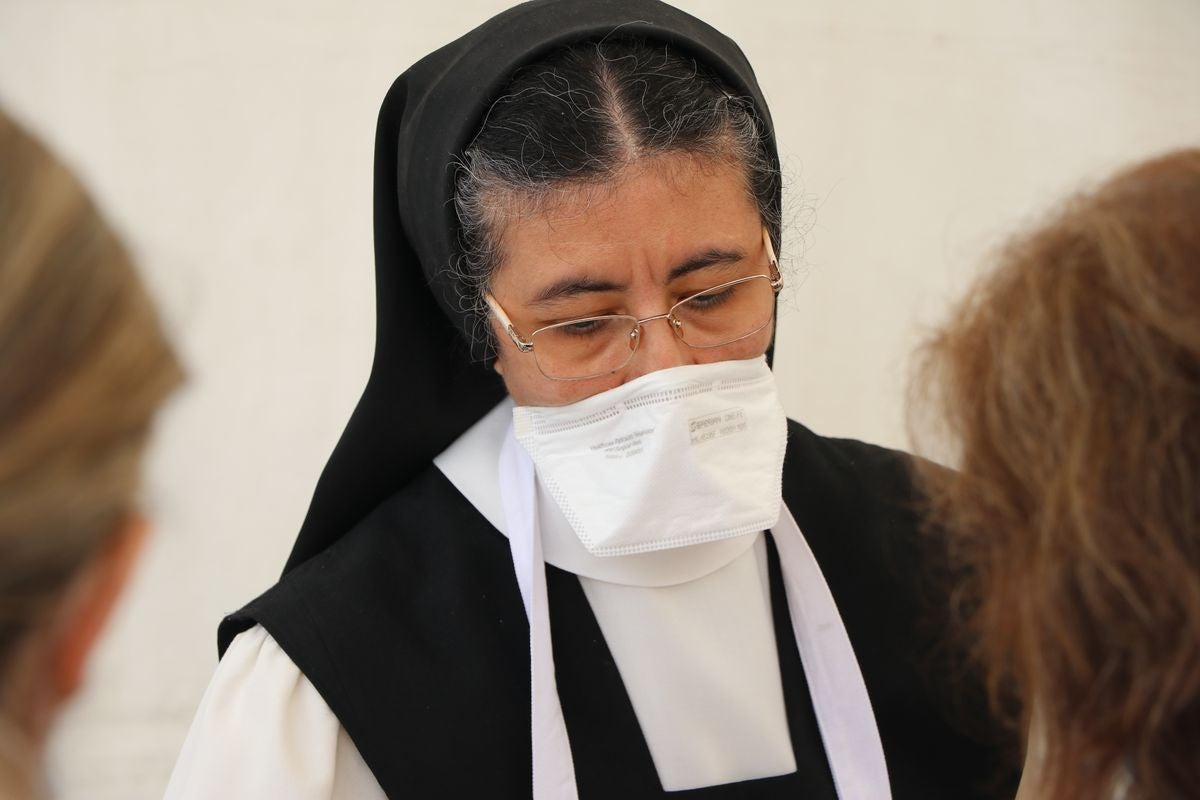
x,y
425,567
414,547
417,603
263,730
858,510
846,467
857,507
850,495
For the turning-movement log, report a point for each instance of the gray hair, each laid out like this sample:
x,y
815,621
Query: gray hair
x,y
577,118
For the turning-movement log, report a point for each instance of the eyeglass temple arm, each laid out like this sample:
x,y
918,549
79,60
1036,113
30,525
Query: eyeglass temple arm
x,y
776,276
521,344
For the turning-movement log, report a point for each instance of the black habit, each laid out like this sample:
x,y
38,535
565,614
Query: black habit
x,y
413,631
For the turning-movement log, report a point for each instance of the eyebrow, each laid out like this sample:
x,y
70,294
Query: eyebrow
x,y
713,257
573,287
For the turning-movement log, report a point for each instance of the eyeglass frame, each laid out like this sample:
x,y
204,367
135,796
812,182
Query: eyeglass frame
x,y
523,346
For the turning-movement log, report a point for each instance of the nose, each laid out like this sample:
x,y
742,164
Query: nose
x,y
658,348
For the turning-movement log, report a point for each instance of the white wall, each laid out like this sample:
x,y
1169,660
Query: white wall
x,y
232,142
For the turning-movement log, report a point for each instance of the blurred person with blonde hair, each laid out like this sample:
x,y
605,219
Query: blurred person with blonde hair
x,y
1068,382
84,367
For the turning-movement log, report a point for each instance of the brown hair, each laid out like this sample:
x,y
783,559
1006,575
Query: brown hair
x,y
1068,381
84,365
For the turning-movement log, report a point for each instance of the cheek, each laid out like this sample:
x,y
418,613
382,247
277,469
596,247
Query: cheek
x,y
750,347
529,387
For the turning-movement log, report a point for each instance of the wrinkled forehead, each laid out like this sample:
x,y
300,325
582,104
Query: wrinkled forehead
x,y
650,212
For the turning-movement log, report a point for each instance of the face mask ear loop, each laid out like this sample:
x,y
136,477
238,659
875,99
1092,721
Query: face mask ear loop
x,y
553,765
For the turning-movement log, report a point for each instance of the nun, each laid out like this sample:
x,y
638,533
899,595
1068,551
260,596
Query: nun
x,y
569,545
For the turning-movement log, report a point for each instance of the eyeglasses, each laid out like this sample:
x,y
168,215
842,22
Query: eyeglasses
x,y
593,346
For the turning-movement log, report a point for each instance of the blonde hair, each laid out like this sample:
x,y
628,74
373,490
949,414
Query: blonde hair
x,y
84,365
1069,379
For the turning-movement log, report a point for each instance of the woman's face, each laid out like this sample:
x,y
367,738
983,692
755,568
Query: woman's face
x,y
664,230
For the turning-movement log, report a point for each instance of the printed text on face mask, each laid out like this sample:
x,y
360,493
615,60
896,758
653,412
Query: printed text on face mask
x,y
714,426
631,444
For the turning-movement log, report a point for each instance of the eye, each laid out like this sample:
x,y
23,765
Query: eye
x,y
590,327
712,299
584,327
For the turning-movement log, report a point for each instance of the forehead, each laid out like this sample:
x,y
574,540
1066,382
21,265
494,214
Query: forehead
x,y
651,214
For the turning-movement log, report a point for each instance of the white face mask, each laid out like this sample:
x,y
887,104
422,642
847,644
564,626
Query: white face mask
x,y
674,458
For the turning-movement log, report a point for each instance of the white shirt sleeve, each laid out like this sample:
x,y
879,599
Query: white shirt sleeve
x,y
262,730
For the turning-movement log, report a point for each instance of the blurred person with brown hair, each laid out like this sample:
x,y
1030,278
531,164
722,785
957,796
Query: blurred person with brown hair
x,y
1068,382
84,367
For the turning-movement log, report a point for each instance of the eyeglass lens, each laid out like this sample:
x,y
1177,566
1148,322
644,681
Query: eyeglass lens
x,y
599,345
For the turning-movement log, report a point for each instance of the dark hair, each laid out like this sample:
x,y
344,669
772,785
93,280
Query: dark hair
x,y
1069,381
581,115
